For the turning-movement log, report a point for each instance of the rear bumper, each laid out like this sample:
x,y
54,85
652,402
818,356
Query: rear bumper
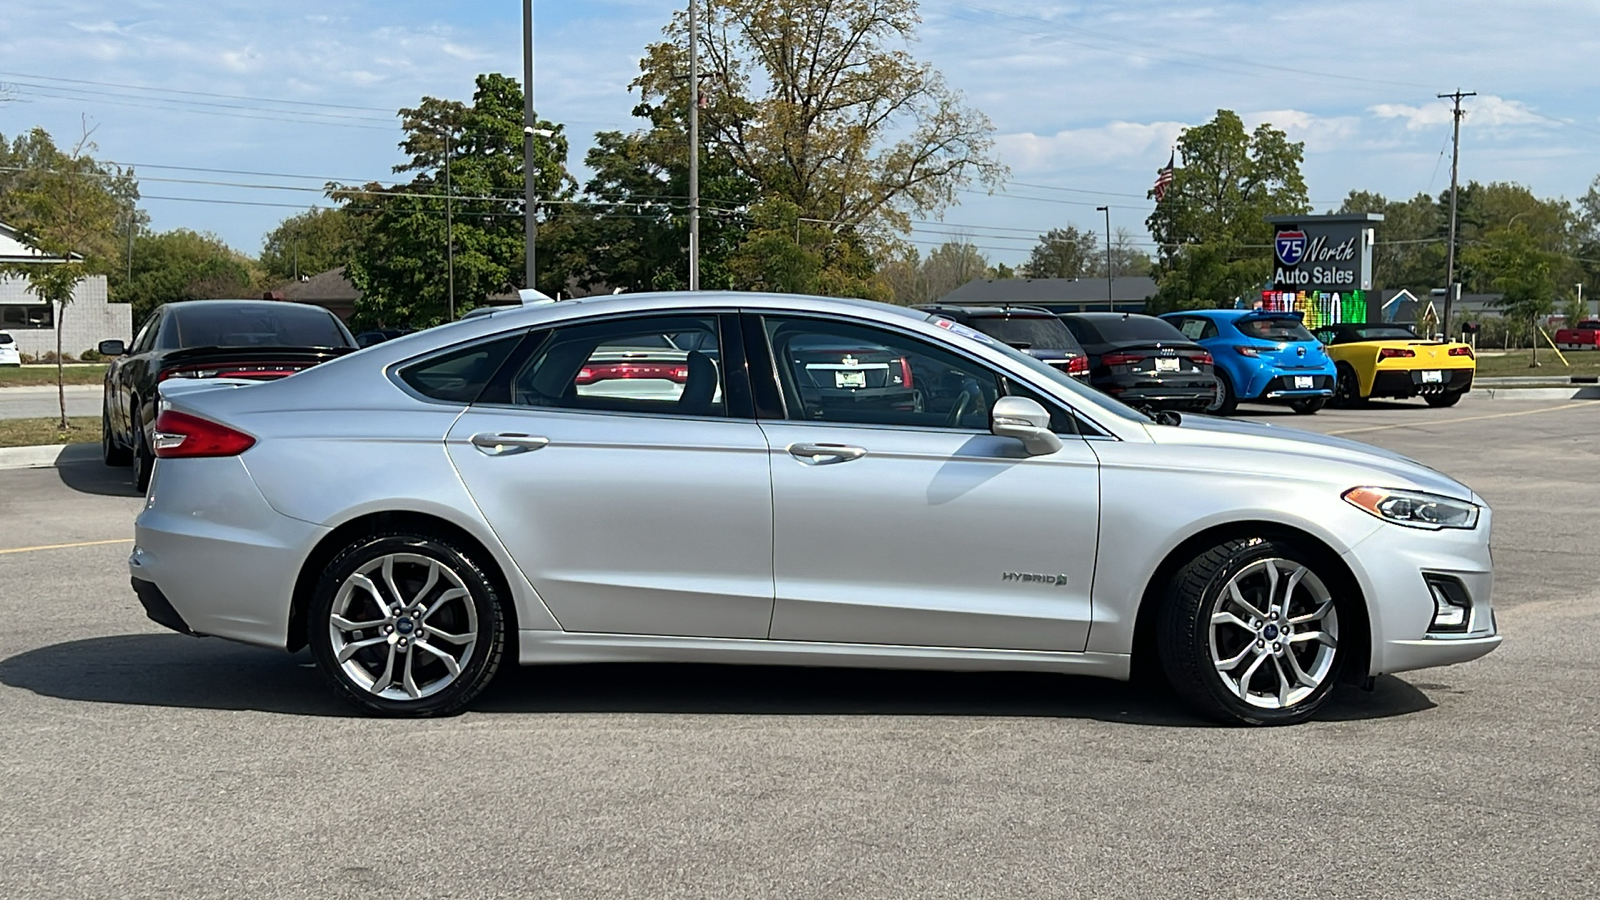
x,y
1409,383
1191,392
158,608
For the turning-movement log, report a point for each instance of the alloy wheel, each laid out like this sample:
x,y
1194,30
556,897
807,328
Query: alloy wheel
x,y
403,626
1274,634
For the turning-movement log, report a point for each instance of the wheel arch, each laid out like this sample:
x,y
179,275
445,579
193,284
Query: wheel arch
x,y
333,542
1145,659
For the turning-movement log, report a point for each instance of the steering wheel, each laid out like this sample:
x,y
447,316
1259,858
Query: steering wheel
x,y
970,399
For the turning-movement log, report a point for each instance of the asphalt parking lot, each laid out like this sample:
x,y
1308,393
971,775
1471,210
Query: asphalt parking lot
x,y
140,763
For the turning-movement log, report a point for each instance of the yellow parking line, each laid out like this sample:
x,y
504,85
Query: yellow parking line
x,y
1521,412
65,546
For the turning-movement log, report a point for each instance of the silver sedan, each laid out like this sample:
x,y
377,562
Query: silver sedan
x,y
745,478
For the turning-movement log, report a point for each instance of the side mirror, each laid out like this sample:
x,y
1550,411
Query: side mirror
x,y
1027,421
112,348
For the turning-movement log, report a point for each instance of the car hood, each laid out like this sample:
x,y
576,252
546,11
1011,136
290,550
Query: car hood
x,y
1387,469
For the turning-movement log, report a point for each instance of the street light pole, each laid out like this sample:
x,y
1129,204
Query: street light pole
x,y
1455,164
1110,298
530,224
694,147
449,227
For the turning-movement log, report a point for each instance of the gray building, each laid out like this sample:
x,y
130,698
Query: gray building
x,y
89,319
1124,294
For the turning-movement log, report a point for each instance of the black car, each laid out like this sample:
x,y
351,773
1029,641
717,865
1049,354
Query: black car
x,y
1036,332
255,339
1144,361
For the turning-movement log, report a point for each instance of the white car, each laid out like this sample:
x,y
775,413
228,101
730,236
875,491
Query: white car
x,y
423,509
9,355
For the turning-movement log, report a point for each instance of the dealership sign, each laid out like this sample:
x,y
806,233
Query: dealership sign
x,y
1331,254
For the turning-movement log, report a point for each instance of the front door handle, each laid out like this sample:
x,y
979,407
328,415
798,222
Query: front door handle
x,y
825,454
507,444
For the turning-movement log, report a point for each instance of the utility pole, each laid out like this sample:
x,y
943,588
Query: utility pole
x,y
1455,165
530,223
694,147
1110,294
450,227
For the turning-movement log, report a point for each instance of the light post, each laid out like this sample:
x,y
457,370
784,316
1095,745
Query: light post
x,y
1110,298
530,225
694,147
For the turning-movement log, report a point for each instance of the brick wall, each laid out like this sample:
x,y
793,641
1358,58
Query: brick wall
x,y
88,320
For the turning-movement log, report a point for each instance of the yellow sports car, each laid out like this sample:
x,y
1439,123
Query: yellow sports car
x,y
1392,361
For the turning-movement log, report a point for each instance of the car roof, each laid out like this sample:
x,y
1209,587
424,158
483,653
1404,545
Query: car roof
x,y
999,310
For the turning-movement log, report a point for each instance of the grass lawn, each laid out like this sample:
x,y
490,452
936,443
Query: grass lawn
x,y
33,432
1515,363
31,376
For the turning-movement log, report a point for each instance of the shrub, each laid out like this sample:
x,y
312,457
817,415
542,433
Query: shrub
x,y
90,355
28,358
49,356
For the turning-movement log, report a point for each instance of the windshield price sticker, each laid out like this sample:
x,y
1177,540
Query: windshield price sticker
x,y
964,331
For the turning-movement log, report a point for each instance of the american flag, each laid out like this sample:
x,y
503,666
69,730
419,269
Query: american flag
x,y
1164,177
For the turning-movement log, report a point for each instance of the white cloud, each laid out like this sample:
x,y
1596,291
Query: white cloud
x,y
1486,109
1112,142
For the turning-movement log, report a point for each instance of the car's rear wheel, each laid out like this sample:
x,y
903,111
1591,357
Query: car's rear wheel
x,y
1227,400
1250,632
1448,398
1347,387
112,452
406,624
144,459
1308,406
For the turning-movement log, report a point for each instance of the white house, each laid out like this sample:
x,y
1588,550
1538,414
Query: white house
x,y
89,319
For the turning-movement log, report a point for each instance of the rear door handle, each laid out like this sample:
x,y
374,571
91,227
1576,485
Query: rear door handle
x,y
825,454
507,444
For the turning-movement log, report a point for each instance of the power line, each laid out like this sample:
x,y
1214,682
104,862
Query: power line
x,y
137,87
210,112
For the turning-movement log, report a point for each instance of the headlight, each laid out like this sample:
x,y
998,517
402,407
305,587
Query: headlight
x,y
1414,509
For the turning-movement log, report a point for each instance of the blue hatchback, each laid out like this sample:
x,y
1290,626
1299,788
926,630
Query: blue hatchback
x,y
1260,355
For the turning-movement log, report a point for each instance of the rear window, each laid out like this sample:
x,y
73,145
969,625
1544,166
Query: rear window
x,y
1135,328
1031,332
252,325
1284,329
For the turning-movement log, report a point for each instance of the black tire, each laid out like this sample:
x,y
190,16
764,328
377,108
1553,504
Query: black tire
x,y
1227,400
359,679
1439,401
144,459
1347,387
112,452
1191,653
1309,406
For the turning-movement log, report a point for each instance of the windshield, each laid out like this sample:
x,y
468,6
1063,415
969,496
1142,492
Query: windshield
x,y
1064,383
1036,332
1386,333
254,325
1284,329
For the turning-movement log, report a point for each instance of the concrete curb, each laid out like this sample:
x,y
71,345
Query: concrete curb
x,y
1573,392
48,456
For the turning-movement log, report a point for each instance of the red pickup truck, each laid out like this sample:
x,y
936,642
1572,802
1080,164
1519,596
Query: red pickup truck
x,y
1584,336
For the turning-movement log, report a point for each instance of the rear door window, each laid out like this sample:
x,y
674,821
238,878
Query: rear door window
x,y
663,365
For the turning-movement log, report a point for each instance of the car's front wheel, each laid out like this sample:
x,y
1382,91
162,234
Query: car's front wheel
x,y
406,624
1251,632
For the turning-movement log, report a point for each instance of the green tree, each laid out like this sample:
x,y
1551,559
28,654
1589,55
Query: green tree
x,y
398,257
184,265
1410,251
815,103
1068,252
1211,223
67,206
949,266
307,243
786,253
1524,274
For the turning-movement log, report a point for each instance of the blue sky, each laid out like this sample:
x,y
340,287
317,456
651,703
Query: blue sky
x,y
1087,97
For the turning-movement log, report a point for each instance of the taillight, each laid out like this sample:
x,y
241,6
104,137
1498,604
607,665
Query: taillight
x,y
1203,359
1120,359
608,371
260,373
179,435
1461,351
1394,352
1078,365
1245,350
905,372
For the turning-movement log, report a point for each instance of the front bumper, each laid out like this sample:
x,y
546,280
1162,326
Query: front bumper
x,y
1392,566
